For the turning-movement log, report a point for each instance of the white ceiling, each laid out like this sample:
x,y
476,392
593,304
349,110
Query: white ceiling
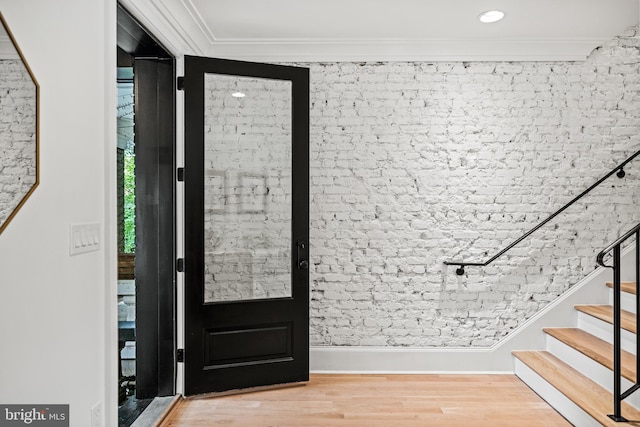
x,y
355,30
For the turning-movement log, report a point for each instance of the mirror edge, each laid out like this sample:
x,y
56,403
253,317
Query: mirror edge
x,y
4,225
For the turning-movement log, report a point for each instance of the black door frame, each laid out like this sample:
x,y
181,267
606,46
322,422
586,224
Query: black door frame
x,y
155,115
225,323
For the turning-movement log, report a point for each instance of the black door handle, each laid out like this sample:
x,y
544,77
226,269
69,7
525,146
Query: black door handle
x,y
303,264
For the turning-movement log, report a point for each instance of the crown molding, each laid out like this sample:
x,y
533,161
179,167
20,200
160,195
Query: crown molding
x,y
403,50
178,25
197,18
165,25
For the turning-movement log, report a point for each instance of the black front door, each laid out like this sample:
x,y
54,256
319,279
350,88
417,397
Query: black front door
x,y
246,225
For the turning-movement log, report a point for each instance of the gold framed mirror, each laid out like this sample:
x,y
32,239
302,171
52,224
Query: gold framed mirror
x,y
19,139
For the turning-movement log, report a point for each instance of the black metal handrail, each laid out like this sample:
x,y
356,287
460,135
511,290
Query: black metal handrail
x,y
618,170
616,246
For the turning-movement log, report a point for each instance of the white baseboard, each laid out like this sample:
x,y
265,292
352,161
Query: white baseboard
x,y
496,359
382,360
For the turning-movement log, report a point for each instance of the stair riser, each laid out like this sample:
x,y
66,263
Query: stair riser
x,y
627,301
604,331
589,368
557,400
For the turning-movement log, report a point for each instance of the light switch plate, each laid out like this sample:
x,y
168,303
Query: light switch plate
x,y
84,238
96,415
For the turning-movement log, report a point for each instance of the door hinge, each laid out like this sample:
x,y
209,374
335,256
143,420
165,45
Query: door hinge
x,y
180,174
180,265
180,355
180,83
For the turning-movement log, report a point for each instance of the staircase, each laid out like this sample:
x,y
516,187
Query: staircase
x,y
575,372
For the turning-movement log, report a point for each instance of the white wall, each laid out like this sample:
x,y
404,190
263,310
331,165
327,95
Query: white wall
x,y
57,345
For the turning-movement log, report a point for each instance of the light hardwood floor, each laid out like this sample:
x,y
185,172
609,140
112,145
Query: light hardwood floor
x,y
377,401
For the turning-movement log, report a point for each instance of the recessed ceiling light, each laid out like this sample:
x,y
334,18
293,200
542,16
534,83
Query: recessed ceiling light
x,y
238,95
491,16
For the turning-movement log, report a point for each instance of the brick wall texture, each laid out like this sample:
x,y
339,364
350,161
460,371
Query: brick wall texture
x,y
17,135
415,163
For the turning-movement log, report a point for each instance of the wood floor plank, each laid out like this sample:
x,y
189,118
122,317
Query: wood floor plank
x,y
591,397
599,350
605,313
377,401
629,287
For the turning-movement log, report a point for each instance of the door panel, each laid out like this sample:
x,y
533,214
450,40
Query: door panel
x,y
247,221
227,347
155,227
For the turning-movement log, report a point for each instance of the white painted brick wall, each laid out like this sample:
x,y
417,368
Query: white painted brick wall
x,y
413,164
17,135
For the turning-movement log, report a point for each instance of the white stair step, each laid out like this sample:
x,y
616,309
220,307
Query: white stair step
x,y
575,373
561,403
577,398
590,368
604,330
627,300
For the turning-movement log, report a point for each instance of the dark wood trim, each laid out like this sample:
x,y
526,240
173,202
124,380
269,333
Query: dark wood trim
x,y
155,133
135,40
167,308
155,230
126,266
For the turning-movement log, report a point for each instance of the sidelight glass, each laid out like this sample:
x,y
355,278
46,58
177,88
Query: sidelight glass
x,y
247,196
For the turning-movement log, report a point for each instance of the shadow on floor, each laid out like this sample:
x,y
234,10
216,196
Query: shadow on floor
x,y
130,410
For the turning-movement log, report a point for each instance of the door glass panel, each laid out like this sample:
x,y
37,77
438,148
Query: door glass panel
x,y
247,198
